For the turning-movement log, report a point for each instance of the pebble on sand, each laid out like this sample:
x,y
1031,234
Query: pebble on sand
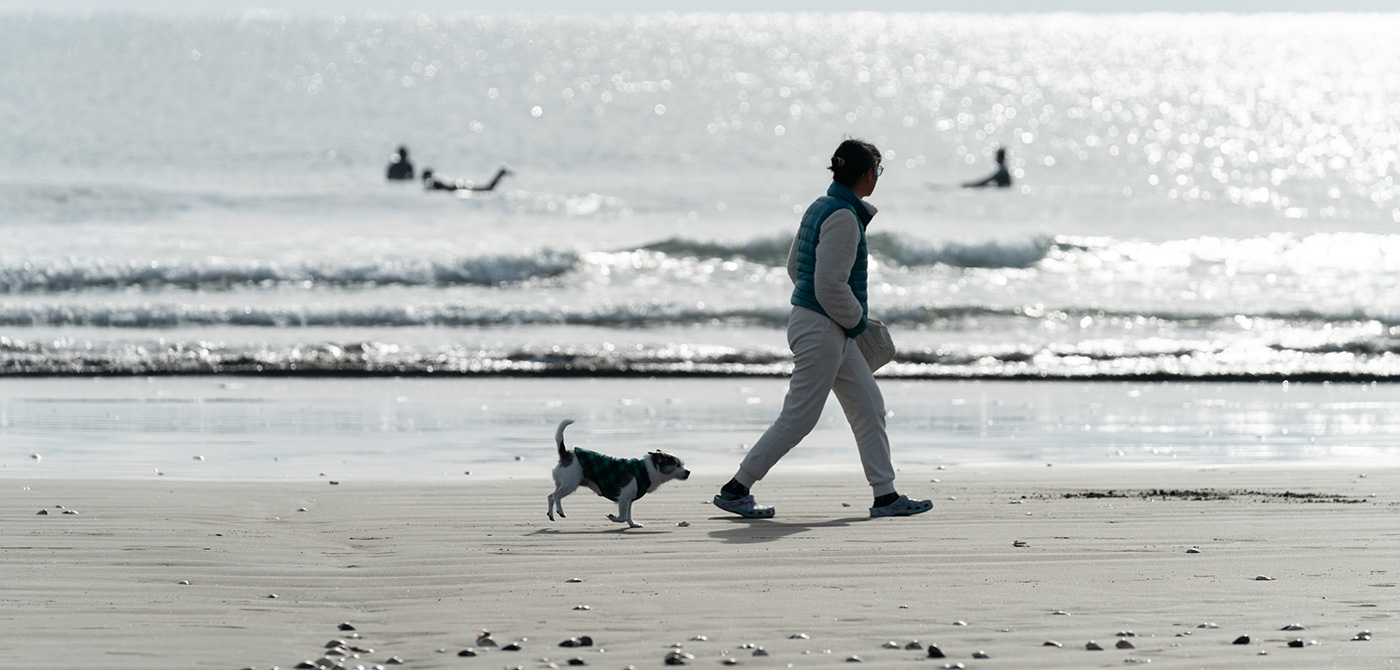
x,y
959,622
1300,643
1124,644
393,660
183,582
582,607
760,651
467,652
1125,633
730,660
36,457
980,654
511,647
573,580
1208,625
1363,636
679,658
890,645
953,666
700,638
1243,639
272,595
854,659
345,625
71,511
913,644
799,636
1263,578
1294,626
1093,646
1193,550
934,651
1020,543
1051,643
42,512
577,661
683,524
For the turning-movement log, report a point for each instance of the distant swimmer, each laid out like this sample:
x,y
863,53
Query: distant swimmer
x,y
1002,177
433,182
399,167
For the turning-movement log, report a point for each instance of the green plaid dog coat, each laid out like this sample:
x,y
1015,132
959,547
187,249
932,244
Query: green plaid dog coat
x,y
611,474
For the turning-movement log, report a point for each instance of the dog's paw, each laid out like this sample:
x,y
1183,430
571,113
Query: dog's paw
x,y
551,516
617,519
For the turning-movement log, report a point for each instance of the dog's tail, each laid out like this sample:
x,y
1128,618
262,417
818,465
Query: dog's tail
x,y
565,457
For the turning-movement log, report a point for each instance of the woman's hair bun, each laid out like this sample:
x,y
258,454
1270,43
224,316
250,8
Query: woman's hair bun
x,y
852,159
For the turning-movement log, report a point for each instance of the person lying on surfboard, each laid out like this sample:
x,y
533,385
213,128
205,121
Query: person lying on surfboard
x,y
434,182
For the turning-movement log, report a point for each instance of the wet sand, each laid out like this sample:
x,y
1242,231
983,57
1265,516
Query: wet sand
x,y
420,569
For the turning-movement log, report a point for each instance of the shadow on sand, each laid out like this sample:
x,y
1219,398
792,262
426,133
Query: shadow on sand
x,y
594,531
753,531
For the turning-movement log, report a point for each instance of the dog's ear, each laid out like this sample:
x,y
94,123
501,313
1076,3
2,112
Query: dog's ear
x,y
663,460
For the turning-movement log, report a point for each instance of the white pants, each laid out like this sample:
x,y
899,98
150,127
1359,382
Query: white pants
x,y
825,360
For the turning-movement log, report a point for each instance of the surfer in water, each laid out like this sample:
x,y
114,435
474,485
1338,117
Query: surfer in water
x,y
399,167
1001,178
434,182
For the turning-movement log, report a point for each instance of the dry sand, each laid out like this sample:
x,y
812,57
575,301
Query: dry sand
x,y
419,570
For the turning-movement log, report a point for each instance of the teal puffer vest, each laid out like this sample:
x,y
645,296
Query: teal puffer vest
x,y
804,294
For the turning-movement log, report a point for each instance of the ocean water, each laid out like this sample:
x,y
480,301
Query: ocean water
x,y
1197,197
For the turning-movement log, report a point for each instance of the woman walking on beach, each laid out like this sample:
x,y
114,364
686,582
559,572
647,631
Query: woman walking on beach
x,y
827,264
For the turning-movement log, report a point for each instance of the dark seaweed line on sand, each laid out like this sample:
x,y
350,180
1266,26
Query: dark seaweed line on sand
x,y
1210,494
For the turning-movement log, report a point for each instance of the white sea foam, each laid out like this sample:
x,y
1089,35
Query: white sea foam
x,y
218,273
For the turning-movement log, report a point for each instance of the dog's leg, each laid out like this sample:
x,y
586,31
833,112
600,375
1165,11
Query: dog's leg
x,y
556,499
624,505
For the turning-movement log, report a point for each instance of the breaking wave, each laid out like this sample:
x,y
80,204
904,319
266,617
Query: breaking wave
x,y
215,274
1009,252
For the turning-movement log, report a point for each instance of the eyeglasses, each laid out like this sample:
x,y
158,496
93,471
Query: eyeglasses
x,y
879,170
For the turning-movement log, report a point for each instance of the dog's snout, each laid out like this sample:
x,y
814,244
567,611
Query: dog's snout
x,y
685,474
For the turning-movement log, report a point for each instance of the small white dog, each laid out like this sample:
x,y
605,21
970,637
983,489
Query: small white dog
x,y
617,479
